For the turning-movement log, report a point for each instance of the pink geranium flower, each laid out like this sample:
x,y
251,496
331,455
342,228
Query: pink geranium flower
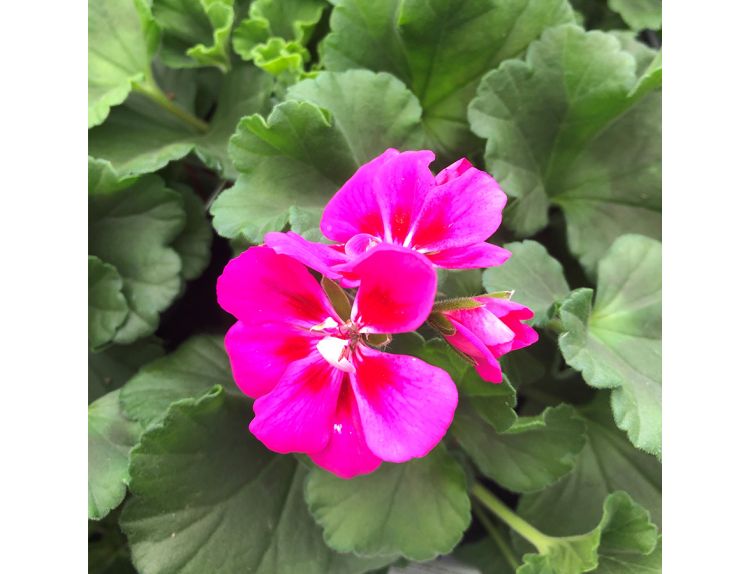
x,y
396,199
487,332
320,388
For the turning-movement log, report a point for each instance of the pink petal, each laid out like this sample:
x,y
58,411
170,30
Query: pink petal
x,y
382,198
259,355
260,286
406,405
512,313
461,212
475,256
453,171
483,324
322,258
296,415
467,342
397,289
347,454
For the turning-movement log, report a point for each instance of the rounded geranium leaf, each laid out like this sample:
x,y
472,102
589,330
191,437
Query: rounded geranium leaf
x,y
418,509
616,342
567,127
107,305
111,436
208,497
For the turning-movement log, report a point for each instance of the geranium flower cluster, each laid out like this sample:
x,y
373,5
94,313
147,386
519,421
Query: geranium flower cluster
x,y
312,353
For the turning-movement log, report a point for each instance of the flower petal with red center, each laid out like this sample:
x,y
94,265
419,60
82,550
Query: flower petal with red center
x,y
296,416
462,211
260,286
406,405
347,454
382,198
259,355
397,290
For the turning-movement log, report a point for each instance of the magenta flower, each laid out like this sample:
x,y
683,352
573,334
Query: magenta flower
x,y
320,388
487,332
395,199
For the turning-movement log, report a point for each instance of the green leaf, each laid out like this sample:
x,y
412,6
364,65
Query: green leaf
x,y
195,32
290,20
536,278
624,530
417,509
111,368
607,463
132,229
530,455
372,111
277,57
111,436
192,370
208,497
564,129
494,403
619,562
484,556
617,343
193,244
440,49
303,154
142,137
118,55
107,305
459,283
639,14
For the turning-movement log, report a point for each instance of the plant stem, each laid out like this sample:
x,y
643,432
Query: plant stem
x,y
518,524
151,90
497,537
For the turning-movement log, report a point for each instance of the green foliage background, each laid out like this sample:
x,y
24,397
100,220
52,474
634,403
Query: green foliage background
x,y
212,122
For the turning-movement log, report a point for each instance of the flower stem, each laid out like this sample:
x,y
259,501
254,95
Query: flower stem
x,y
152,91
515,522
497,537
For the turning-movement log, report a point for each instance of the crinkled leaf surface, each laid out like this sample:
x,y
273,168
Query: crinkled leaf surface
x,y
536,277
302,154
563,129
132,228
617,343
111,368
208,497
192,370
639,14
118,55
417,509
107,305
141,137
607,463
195,32
111,436
440,49
624,531
193,244
530,455
289,24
